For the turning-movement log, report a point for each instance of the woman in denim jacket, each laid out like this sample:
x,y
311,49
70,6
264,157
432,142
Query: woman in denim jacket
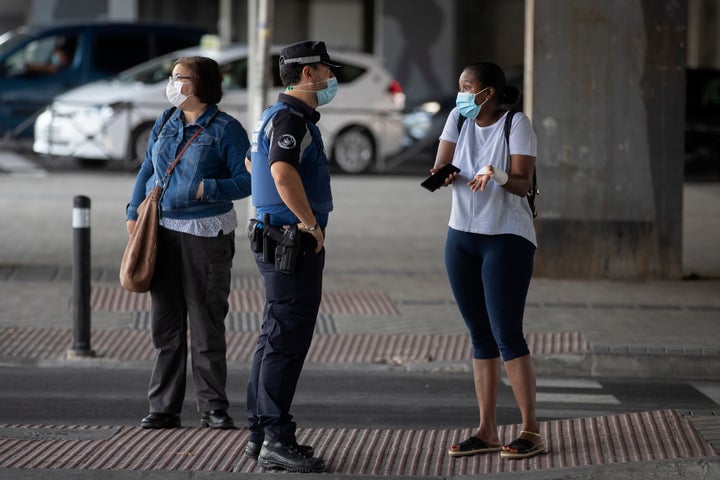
x,y
196,241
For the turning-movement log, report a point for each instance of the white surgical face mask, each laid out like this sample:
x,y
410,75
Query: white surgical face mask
x,y
174,94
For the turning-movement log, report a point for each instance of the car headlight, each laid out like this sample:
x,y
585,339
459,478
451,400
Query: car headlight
x,y
430,107
417,124
108,111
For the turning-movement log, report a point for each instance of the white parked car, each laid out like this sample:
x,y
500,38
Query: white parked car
x,y
111,120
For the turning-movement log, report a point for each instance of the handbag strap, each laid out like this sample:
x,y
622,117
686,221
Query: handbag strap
x,y
179,155
185,147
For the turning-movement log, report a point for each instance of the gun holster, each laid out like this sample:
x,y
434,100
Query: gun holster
x,y
285,244
278,245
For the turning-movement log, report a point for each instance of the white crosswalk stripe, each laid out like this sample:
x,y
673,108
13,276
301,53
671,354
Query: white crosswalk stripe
x,y
576,398
568,395
710,390
567,383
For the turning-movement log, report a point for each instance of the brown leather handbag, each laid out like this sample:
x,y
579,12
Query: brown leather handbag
x,y
138,261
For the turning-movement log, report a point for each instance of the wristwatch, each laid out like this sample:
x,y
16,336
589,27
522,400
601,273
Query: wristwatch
x,y
310,229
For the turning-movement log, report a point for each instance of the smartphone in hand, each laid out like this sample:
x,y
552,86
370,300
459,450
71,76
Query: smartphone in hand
x,y
437,179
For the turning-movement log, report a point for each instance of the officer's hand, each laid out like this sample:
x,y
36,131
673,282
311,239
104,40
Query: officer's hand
x,y
320,237
317,234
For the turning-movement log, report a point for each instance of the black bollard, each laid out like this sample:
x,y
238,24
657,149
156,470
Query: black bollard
x,y
81,279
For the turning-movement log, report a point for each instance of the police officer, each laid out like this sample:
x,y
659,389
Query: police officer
x,y
290,187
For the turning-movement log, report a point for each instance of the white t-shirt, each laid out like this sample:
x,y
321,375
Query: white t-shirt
x,y
494,211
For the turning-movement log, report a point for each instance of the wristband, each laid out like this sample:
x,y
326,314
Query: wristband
x,y
310,229
500,177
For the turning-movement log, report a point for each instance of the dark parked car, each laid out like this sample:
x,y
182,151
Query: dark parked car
x,y
702,121
39,62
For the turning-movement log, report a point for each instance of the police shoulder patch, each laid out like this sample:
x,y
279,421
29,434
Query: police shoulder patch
x,y
287,142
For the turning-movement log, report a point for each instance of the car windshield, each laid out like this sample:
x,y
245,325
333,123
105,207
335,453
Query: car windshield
x,y
9,40
149,73
348,73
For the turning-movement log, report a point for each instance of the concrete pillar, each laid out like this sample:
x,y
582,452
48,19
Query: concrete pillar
x,y
607,100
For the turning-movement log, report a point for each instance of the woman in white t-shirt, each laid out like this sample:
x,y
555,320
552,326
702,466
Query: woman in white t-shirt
x,y
490,248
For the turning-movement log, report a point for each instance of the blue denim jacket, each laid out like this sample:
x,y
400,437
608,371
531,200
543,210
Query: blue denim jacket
x,y
216,157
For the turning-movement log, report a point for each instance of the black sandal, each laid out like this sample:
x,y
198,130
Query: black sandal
x,y
522,448
472,446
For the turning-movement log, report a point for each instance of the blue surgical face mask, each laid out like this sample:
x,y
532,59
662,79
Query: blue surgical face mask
x,y
326,95
465,103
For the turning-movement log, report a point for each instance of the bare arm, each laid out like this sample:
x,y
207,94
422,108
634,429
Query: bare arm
x,y
519,177
444,155
292,192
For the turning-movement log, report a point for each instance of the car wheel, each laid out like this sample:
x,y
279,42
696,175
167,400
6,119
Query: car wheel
x,y
354,150
138,146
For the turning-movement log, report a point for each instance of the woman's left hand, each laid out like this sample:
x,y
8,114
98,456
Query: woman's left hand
x,y
480,180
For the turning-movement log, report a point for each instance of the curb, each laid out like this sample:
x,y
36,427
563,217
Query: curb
x,y
692,469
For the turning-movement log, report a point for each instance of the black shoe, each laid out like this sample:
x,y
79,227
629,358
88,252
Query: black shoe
x,y
287,457
161,420
218,419
252,449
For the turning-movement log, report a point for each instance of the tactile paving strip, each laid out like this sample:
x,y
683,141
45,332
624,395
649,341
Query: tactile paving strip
x,y
243,322
135,345
349,302
617,439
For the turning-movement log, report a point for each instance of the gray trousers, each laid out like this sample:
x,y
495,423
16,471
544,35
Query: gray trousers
x,y
190,288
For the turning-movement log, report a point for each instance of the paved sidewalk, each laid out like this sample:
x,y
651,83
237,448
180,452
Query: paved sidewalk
x,y
385,258
387,304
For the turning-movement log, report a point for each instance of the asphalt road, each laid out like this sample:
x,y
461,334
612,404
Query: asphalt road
x,y
331,397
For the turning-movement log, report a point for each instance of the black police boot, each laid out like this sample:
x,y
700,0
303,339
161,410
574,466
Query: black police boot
x,y
252,449
217,419
276,455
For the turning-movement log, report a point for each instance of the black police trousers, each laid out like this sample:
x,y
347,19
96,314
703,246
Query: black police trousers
x,y
291,307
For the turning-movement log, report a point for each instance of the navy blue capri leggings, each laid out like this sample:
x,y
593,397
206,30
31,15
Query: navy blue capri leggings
x,y
490,276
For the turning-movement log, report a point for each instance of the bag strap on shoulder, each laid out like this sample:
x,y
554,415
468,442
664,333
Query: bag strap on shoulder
x,y
534,190
185,147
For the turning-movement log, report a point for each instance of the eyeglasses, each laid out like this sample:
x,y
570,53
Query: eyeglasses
x,y
179,77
